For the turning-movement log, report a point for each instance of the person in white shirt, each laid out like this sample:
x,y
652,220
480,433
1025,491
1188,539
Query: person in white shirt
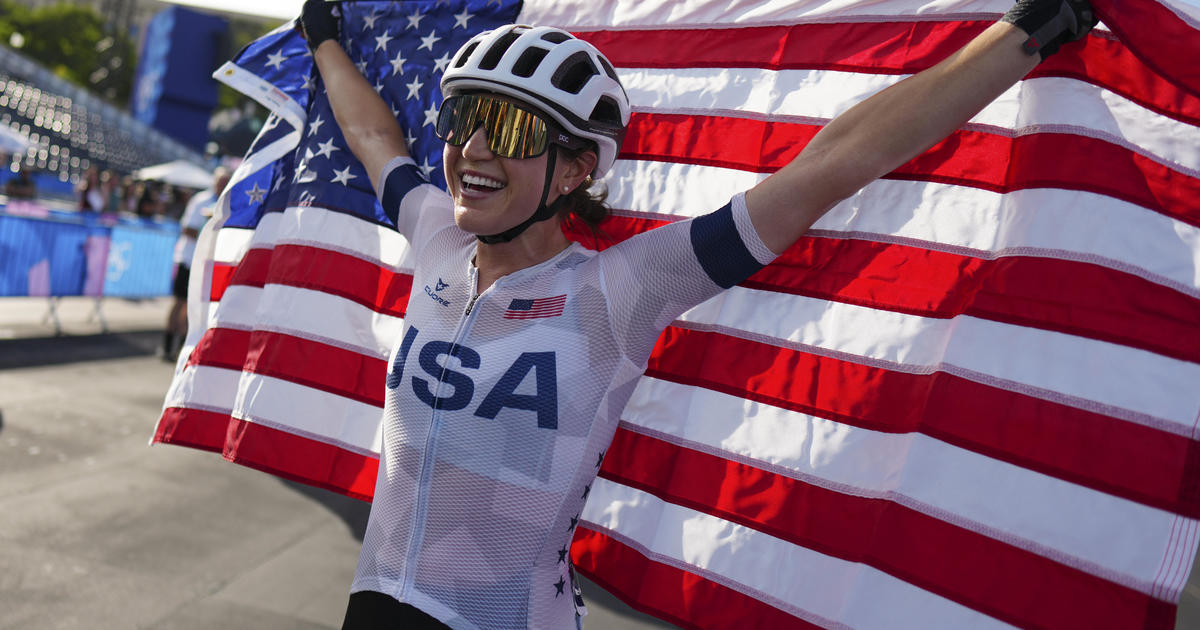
x,y
198,211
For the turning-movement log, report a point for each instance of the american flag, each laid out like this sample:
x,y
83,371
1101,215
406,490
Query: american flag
x,y
966,399
536,308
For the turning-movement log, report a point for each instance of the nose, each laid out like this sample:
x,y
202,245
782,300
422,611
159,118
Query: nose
x,y
476,147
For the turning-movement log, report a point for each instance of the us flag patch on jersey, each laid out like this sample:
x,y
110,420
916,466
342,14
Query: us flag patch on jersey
x,y
533,309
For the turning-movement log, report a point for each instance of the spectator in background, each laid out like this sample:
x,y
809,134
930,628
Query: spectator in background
x,y
110,185
197,213
21,187
149,203
177,201
91,197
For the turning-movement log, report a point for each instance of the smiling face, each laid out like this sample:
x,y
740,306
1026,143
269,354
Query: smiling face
x,y
492,194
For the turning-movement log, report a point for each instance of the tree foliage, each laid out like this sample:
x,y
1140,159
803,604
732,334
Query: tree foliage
x,y
72,42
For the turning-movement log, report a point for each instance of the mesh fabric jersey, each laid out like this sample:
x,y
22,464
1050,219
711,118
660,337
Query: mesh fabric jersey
x,y
500,406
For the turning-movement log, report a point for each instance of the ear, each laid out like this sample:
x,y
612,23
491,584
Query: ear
x,y
574,171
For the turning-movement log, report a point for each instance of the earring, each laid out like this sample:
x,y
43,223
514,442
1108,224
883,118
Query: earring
x,y
566,189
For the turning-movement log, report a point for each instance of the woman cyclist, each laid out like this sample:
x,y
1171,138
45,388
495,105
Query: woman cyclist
x,y
506,387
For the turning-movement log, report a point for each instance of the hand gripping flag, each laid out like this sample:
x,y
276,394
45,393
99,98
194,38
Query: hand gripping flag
x,y
968,398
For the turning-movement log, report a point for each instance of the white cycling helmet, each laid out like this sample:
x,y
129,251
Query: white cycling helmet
x,y
561,75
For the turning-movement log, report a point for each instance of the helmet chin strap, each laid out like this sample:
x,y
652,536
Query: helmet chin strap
x,y
542,213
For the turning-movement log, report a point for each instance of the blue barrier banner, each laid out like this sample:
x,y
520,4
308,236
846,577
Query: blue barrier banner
x,y
139,262
61,254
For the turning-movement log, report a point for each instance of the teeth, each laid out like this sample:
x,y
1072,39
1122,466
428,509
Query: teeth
x,y
486,182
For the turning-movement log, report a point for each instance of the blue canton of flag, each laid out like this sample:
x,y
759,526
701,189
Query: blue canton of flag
x,y
402,48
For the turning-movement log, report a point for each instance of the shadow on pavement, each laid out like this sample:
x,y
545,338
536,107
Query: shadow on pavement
x,y
41,351
352,511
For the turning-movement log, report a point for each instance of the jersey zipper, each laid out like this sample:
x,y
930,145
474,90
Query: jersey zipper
x,y
417,534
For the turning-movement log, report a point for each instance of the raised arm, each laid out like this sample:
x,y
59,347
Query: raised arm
x,y
883,132
370,128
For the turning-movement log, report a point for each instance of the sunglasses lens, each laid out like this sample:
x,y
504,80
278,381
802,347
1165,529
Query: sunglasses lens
x,y
512,132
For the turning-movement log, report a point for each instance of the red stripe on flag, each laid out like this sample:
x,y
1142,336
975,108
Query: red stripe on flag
x,y
1067,296
1146,24
306,267
221,347
1087,448
1022,588
222,273
318,365
277,452
196,428
966,158
314,364
890,48
301,459
683,598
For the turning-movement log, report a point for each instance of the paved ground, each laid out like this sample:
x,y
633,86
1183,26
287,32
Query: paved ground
x,y
98,530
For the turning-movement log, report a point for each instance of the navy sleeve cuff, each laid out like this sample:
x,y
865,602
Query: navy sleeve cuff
x,y
720,250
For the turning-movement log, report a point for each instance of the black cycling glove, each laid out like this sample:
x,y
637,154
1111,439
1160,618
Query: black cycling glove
x,y
318,22
1051,23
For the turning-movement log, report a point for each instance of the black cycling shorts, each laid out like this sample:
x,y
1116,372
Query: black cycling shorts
x,y
179,287
369,610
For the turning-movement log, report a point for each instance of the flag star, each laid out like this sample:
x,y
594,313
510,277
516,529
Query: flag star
x,y
431,116
562,555
439,65
427,42
369,21
398,63
414,20
307,198
343,176
558,586
301,170
574,519
410,138
309,84
379,87
600,459
315,125
414,88
427,168
277,185
362,66
460,19
586,490
275,60
326,149
381,41
256,194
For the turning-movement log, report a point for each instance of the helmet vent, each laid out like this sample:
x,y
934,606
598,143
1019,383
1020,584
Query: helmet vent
x,y
556,37
529,61
492,58
574,73
607,111
465,55
608,69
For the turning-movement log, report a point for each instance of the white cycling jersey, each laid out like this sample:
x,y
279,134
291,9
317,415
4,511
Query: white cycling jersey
x,y
500,406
